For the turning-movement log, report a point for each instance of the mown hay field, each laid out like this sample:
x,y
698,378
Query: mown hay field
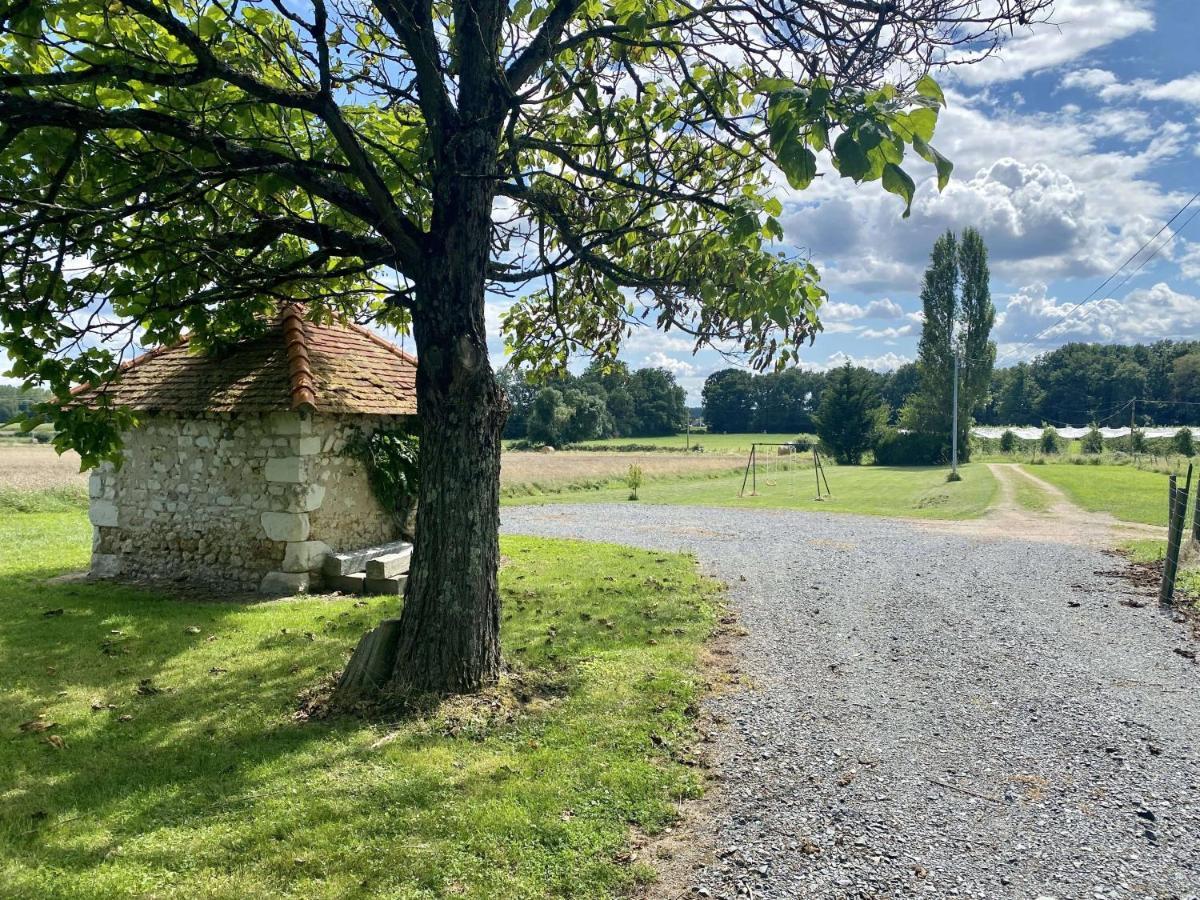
x,y
36,467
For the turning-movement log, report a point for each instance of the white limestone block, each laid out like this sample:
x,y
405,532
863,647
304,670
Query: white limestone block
x,y
309,445
289,424
285,468
105,565
284,584
103,513
305,556
285,526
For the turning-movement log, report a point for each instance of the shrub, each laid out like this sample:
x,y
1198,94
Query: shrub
x,y
1093,441
1050,442
633,478
851,414
1183,443
1008,441
898,448
1137,441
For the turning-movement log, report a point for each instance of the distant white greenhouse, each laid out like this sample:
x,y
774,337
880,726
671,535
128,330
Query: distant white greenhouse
x,y
1030,431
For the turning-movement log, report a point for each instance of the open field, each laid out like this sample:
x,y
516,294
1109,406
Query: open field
x,y
531,473
869,490
36,469
1130,494
169,762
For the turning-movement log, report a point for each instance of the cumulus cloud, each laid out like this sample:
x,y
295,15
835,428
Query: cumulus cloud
x,y
1105,85
1143,315
1050,195
660,360
1082,26
885,362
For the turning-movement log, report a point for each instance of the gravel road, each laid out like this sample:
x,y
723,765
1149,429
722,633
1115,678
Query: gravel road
x,y
933,714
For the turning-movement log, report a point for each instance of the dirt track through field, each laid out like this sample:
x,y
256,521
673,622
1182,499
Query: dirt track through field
x,y
1060,522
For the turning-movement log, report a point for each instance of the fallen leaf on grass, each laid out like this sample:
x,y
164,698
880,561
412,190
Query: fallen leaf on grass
x,y
54,612
217,670
192,629
147,688
38,725
125,718
56,742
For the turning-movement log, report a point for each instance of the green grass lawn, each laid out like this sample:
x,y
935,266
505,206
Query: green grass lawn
x,y
1128,493
183,772
1029,496
870,490
712,443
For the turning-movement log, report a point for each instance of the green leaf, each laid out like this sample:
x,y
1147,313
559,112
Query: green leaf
x,y
943,166
927,87
897,181
850,157
923,121
799,164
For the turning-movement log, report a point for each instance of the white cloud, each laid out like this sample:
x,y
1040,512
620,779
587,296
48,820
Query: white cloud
x,y
660,360
1108,87
1143,315
885,362
1077,27
887,334
1049,201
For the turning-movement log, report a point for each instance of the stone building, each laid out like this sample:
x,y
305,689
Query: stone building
x,y
236,473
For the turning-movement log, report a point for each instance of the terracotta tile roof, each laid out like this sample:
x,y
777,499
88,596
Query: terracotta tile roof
x,y
295,365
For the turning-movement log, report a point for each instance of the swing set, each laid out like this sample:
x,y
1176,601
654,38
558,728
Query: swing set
x,y
752,464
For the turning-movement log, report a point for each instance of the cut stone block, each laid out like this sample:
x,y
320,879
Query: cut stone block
x,y
307,499
384,585
304,556
288,424
356,560
308,446
103,513
282,526
389,565
105,565
289,469
284,584
347,584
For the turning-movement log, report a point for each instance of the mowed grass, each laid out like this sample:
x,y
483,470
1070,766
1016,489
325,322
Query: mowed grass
x,y
182,771
1029,496
1128,493
868,490
711,443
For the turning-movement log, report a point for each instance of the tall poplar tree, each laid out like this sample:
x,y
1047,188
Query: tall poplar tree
x,y
957,303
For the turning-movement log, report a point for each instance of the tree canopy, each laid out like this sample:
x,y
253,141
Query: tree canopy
x,y
192,164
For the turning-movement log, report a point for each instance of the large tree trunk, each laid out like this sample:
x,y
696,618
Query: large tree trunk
x,y
448,635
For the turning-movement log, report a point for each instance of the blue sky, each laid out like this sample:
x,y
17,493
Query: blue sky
x,y
1072,147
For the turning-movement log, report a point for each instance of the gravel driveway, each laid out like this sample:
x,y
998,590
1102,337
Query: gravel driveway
x,y
932,714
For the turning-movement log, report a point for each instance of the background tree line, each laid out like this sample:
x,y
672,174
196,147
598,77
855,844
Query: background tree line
x,y
15,401
1081,383
1075,384
601,402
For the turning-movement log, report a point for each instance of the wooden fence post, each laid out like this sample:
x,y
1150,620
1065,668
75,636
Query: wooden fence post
x,y
1179,500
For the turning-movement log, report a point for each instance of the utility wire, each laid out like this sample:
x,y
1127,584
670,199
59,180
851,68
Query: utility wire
x,y
1117,272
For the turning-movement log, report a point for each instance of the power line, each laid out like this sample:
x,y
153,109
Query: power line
x,y
1117,272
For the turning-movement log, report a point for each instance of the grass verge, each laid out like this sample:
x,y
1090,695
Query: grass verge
x,y
867,490
1128,493
1152,552
175,767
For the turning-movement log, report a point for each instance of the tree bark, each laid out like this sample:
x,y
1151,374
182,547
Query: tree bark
x,y
448,640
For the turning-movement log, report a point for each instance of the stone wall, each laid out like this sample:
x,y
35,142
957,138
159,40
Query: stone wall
x,y
244,502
